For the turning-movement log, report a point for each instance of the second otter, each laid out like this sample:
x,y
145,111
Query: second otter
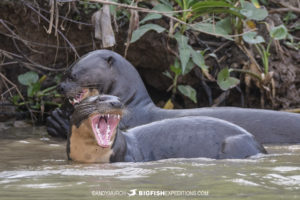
x,y
95,136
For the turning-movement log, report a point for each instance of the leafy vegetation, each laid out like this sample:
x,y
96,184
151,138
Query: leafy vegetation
x,y
219,18
37,99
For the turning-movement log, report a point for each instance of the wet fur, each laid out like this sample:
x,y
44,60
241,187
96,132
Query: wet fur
x,y
186,137
111,74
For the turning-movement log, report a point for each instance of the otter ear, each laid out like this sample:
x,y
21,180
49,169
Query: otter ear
x,y
110,60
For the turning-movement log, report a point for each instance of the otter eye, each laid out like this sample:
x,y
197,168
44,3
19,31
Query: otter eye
x,y
109,60
73,77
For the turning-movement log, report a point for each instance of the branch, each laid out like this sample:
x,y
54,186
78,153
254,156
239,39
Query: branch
x,y
138,8
23,55
44,18
291,8
19,93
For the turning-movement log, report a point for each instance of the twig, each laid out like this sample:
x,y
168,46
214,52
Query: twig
x,y
280,10
218,49
9,54
138,8
32,62
45,45
291,8
19,93
68,19
8,90
51,17
4,23
23,55
8,63
44,18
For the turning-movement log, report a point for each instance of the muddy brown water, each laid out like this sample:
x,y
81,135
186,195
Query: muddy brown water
x,y
34,166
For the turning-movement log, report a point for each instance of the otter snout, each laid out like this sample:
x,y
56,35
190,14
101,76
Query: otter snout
x,y
66,87
111,101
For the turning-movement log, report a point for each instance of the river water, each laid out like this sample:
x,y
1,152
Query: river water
x,y
34,166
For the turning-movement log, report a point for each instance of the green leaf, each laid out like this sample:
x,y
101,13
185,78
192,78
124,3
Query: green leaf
x,y
58,78
184,50
253,38
167,74
203,7
137,34
15,99
159,7
30,91
225,24
214,29
253,13
188,91
176,68
279,32
255,3
198,59
49,89
211,4
201,11
289,16
189,66
28,78
166,3
33,89
150,16
179,2
225,81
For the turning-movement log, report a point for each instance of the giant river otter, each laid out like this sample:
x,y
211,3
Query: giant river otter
x,y
95,137
106,72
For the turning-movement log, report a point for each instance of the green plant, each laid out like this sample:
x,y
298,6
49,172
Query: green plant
x,y
202,16
263,78
88,7
186,90
36,99
231,19
276,33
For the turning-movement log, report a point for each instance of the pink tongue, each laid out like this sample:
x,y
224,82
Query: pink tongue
x,y
102,126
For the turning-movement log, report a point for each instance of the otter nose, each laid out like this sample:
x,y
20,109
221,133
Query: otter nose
x,y
106,97
116,104
112,100
60,89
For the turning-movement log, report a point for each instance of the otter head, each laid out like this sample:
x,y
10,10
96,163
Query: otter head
x,y
100,116
94,128
89,76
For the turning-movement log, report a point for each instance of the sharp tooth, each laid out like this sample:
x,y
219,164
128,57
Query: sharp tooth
x,y
70,101
118,116
107,115
101,140
109,143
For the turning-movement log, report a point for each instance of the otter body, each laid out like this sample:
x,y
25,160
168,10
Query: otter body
x,y
185,137
109,73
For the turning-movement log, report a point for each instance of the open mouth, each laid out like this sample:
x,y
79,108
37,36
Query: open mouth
x,y
79,97
104,126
